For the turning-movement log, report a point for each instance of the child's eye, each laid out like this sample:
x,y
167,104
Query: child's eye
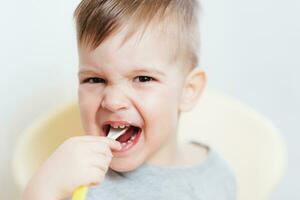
x,y
144,78
93,80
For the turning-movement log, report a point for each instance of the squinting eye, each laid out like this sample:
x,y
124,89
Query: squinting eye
x,y
94,80
144,78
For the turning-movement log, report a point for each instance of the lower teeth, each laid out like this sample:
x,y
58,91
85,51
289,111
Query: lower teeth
x,y
129,141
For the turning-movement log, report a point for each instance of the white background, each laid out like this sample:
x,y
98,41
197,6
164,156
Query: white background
x,y
249,50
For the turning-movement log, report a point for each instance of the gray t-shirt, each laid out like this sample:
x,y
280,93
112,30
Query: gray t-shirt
x,y
211,179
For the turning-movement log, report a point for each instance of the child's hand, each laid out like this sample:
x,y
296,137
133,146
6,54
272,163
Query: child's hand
x,y
82,160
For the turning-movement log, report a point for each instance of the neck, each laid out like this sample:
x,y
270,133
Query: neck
x,y
167,155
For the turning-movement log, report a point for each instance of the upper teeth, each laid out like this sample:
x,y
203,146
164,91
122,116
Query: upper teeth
x,y
120,126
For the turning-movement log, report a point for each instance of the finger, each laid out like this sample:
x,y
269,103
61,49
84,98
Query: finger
x,y
113,144
90,138
95,175
102,162
101,148
101,158
93,128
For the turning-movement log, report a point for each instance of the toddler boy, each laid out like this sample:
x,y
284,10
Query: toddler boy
x,y
138,70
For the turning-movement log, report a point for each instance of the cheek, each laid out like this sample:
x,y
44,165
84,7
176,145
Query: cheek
x,y
160,99
88,105
160,110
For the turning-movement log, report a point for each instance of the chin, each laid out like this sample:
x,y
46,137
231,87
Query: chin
x,y
125,164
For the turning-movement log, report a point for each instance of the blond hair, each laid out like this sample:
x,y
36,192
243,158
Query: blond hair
x,y
96,20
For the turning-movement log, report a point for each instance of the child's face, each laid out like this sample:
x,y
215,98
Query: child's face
x,y
119,90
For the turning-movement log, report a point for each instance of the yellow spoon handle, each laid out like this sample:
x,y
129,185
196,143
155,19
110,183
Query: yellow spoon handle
x,y
80,193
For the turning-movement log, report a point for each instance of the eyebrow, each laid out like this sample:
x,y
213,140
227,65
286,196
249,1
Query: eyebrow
x,y
86,70
149,70
138,70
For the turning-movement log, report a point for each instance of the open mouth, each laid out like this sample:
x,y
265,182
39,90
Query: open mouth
x,y
130,136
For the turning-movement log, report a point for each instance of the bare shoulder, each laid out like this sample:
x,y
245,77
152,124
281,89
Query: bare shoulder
x,y
194,153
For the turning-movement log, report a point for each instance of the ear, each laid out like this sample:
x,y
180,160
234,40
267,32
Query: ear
x,y
193,88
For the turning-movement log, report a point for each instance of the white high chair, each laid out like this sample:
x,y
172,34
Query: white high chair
x,y
246,139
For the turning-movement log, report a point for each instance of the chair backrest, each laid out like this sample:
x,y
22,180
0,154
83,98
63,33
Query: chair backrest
x,y
247,140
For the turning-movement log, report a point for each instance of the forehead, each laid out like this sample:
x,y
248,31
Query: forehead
x,y
153,48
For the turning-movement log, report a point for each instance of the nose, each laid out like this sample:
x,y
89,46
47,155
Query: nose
x,y
114,99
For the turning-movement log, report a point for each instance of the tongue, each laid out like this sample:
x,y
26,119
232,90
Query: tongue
x,y
127,135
